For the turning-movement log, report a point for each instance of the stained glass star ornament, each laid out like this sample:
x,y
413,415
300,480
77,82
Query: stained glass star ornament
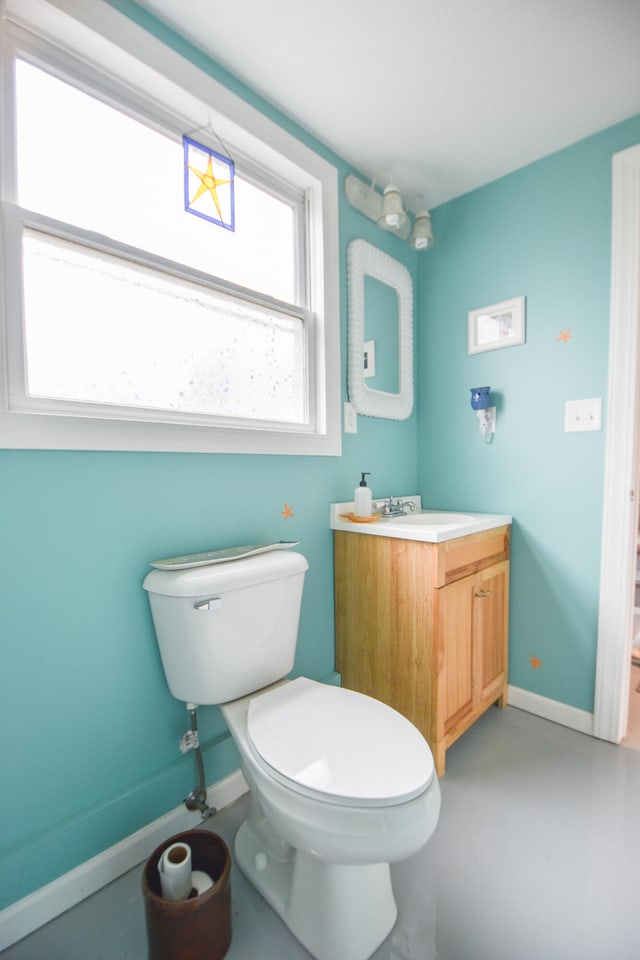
x,y
208,184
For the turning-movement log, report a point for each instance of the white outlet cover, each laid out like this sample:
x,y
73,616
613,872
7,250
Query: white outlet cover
x,y
369,358
582,415
350,418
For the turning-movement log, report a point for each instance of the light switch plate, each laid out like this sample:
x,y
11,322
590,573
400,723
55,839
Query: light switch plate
x,y
580,415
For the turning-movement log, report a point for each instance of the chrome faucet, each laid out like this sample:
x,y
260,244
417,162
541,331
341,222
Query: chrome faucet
x,y
396,508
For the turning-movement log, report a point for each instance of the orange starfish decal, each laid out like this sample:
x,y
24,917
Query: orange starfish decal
x,y
287,512
208,183
535,663
565,335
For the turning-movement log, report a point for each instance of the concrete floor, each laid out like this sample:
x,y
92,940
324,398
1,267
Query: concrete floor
x,y
536,857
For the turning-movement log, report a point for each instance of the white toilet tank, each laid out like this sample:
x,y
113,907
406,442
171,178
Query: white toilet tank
x,y
227,629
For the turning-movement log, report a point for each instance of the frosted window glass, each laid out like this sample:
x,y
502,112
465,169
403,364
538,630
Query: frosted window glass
x,y
87,164
129,335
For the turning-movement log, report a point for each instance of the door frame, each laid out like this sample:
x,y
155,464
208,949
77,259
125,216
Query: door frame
x,y
620,507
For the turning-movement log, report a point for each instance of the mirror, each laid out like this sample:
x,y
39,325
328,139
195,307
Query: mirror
x,y
365,261
381,340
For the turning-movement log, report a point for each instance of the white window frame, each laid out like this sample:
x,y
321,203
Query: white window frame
x,y
110,43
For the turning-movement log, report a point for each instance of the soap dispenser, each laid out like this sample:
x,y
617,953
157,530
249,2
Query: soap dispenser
x,y
362,498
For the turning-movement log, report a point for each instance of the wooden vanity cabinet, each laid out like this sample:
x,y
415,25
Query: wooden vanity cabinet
x,y
424,627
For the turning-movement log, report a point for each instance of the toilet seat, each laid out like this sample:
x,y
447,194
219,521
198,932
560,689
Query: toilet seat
x,y
337,745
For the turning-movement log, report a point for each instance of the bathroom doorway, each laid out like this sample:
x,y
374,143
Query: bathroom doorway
x,y
622,488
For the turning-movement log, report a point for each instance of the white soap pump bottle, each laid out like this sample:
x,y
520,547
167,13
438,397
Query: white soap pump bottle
x,y
362,498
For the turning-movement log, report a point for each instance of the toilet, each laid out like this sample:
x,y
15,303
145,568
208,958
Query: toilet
x,y
340,784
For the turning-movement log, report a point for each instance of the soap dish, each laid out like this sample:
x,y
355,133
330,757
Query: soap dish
x,y
351,517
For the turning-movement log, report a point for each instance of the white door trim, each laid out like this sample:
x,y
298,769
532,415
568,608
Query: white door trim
x,y
620,517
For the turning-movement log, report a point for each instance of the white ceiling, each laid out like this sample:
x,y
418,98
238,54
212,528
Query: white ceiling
x,y
448,94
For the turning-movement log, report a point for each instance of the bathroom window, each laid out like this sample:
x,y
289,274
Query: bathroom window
x,y
131,324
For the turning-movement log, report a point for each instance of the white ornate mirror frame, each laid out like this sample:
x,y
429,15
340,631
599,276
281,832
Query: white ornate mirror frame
x,y
363,259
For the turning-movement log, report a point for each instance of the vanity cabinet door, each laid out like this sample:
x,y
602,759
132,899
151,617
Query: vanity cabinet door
x,y
472,637
455,638
491,628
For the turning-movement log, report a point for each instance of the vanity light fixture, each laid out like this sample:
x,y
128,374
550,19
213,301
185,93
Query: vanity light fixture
x,y
393,216
388,211
422,236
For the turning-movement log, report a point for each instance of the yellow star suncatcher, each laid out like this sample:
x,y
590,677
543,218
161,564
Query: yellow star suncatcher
x,y
208,184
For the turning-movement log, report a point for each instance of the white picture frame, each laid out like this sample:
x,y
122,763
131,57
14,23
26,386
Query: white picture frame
x,y
497,326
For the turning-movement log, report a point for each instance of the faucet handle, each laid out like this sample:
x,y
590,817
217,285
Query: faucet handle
x,y
391,507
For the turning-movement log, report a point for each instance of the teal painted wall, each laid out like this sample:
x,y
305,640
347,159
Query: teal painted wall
x,y
90,731
90,746
545,232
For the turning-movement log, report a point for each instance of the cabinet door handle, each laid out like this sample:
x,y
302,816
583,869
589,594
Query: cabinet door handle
x,y
483,594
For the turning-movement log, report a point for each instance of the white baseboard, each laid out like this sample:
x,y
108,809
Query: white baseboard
x,y
580,720
26,915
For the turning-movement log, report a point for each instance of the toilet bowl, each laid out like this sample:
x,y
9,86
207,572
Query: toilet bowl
x,y
332,805
340,784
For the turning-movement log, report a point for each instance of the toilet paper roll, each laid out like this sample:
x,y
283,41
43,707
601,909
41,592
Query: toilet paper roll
x,y
200,881
175,871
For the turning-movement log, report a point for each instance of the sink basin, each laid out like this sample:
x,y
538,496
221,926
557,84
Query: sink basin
x,y
431,518
430,526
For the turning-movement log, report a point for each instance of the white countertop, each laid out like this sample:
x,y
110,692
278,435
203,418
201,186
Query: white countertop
x,y
430,526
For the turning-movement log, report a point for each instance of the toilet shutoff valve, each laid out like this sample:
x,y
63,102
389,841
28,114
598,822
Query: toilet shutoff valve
x,y
190,741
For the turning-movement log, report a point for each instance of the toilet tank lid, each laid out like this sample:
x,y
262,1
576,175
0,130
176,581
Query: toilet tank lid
x,y
220,577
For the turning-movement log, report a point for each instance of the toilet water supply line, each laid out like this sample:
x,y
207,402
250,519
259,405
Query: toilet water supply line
x,y
197,799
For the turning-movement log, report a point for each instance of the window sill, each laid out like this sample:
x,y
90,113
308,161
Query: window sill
x,y
45,432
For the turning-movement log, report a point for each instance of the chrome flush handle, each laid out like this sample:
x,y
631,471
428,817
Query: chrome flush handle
x,y
212,603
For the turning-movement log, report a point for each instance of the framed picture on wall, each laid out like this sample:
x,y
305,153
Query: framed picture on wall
x,y
500,325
